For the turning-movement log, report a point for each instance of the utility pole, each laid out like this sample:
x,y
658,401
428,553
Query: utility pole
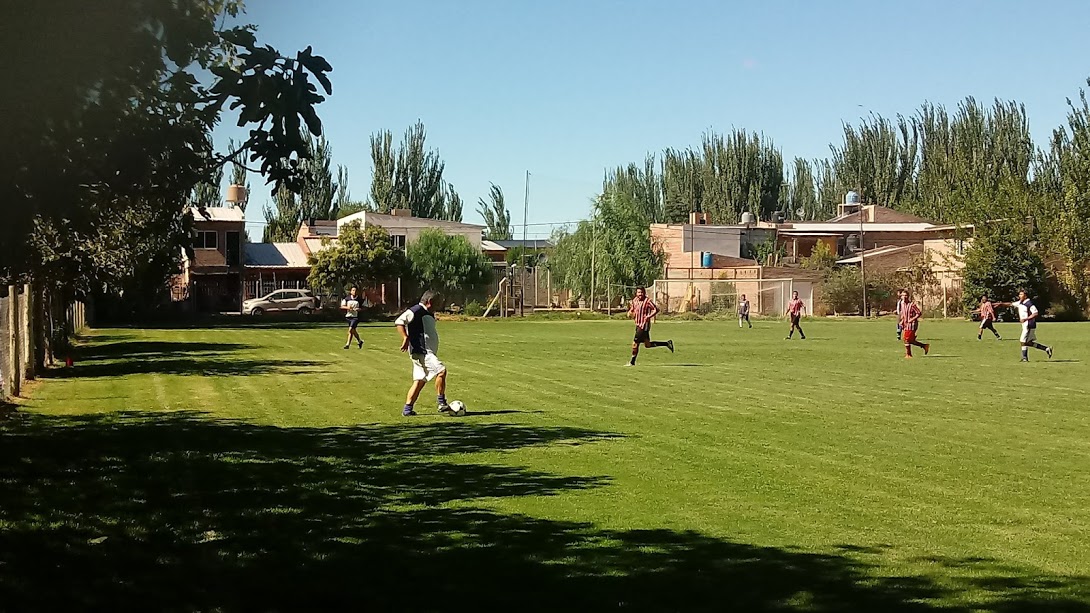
x,y
862,260
593,250
522,260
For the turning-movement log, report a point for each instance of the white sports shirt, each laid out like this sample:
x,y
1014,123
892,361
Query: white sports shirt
x,y
1025,309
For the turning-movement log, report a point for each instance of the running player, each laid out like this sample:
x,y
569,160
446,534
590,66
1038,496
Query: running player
x,y
351,306
743,311
643,311
1027,314
910,323
420,339
794,311
987,317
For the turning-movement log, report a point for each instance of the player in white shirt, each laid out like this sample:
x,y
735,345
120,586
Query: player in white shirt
x,y
420,339
351,306
1027,314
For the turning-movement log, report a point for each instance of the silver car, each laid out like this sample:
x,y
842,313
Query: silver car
x,y
300,301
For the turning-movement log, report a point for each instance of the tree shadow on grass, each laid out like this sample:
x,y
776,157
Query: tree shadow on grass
x,y
193,366
100,349
178,512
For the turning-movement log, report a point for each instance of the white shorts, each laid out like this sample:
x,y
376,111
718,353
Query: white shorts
x,y
1029,335
426,366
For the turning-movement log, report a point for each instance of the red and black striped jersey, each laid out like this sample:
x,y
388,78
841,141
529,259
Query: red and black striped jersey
x,y
642,311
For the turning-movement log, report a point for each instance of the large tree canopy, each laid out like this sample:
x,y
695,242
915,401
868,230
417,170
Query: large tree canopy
x,y
108,109
362,257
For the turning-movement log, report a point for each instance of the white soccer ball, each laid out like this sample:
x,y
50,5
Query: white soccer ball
x,y
458,408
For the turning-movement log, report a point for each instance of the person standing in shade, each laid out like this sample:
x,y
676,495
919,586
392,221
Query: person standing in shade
x,y
743,311
987,318
643,311
910,323
351,306
1027,314
420,339
794,311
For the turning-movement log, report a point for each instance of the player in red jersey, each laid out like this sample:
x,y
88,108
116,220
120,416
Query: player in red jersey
x,y
987,318
794,311
910,321
643,310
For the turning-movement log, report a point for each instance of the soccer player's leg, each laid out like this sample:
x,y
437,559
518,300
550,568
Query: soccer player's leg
x,y
438,371
1030,340
910,339
642,337
420,378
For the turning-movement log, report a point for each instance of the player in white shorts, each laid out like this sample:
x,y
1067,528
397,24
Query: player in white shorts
x,y
420,339
1027,314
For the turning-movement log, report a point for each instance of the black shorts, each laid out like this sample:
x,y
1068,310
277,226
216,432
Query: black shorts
x,y
643,335
353,322
795,319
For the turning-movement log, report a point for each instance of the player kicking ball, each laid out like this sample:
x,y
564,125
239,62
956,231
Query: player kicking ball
x,y
643,311
910,323
1027,314
420,339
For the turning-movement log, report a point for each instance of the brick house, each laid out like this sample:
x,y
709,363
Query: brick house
x,y
212,268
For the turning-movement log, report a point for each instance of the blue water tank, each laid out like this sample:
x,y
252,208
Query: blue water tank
x,y
852,197
706,259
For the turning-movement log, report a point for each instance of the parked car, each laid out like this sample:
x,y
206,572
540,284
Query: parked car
x,y
300,301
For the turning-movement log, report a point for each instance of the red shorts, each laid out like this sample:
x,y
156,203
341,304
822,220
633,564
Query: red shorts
x,y
910,336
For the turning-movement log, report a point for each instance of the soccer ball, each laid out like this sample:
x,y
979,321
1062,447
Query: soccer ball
x,y
458,408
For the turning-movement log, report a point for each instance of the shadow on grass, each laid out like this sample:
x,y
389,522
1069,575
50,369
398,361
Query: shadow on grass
x,y
101,348
193,366
112,356
177,512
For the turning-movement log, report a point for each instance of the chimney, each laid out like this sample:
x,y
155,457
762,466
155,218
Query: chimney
x,y
698,218
401,213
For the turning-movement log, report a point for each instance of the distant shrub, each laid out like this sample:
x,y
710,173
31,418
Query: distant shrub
x,y
474,309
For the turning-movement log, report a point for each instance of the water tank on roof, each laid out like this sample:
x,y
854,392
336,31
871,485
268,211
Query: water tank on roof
x,y
851,197
706,259
749,218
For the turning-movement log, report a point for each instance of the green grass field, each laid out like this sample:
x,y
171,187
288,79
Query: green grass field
x,y
242,468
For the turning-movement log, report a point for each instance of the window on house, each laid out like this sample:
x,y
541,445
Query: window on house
x,y
205,240
959,247
398,241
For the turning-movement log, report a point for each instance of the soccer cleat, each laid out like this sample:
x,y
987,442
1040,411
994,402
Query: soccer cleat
x,y
1024,360
445,409
347,345
908,357
978,337
670,346
629,364
361,344
1048,352
927,349
998,338
408,413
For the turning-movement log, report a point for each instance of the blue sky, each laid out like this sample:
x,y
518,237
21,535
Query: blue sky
x,y
567,88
